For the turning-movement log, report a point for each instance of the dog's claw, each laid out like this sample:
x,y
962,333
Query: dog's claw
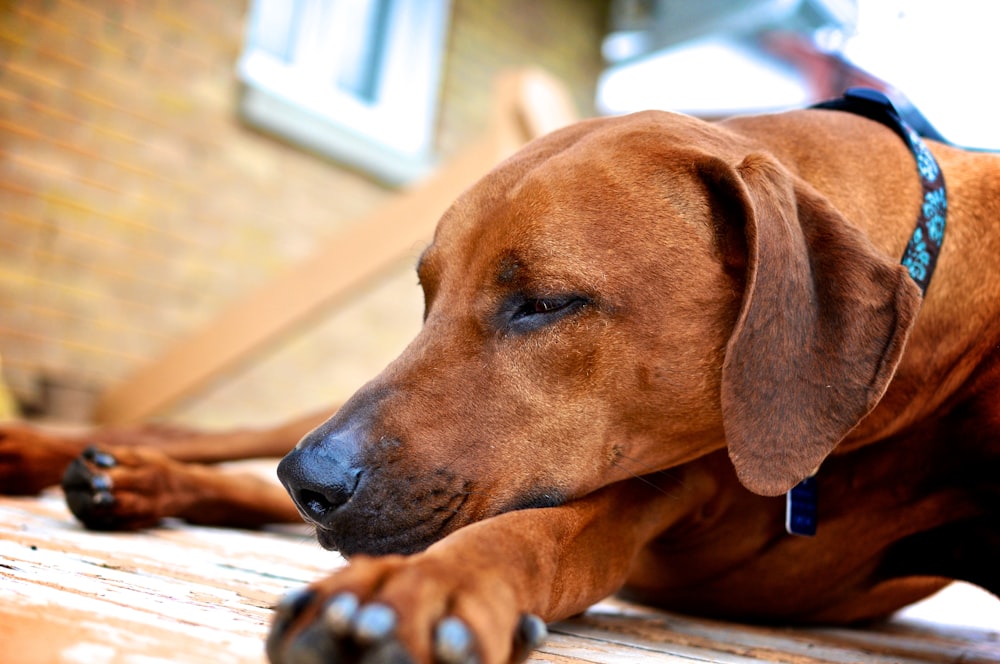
x,y
339,613
374,623
346,632
101,483
313,645
99,458
531,632
292,604
103,499
285,612
453,642
100,487
309,628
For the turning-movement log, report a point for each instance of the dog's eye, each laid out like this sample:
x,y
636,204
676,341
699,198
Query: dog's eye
x,y
545,306
533,313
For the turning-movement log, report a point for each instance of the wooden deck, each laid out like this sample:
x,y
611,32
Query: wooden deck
x,y
181,593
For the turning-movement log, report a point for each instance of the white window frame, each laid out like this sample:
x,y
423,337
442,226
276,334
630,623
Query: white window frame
x,y
295,96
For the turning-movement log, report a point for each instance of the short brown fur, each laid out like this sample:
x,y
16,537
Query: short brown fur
x,y
639,333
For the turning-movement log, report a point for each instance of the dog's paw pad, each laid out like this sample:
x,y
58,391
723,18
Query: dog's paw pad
x,y
373,626
346,630
89,495
120,491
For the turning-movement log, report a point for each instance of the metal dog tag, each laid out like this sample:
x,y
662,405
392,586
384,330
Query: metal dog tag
x,y
801,508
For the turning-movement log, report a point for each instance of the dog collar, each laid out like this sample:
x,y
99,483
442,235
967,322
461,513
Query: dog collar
x,y
924,246
919,258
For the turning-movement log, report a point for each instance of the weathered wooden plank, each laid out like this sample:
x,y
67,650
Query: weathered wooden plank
x,y
183,593
171,594
708,640
926,643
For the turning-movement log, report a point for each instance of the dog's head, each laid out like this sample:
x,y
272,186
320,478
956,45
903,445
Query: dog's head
x,y
620,297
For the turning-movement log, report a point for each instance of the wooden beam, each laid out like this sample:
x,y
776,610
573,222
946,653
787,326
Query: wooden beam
x,y
527,104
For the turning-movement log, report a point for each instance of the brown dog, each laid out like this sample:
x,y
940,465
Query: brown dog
x,y
639,332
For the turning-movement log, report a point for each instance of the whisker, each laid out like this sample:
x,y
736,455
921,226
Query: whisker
x,y
665,474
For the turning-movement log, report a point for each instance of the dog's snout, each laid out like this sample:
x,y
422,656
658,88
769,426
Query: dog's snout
x,y
320,476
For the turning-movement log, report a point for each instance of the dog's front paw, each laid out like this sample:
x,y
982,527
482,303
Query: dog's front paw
x,y
396,609
123,489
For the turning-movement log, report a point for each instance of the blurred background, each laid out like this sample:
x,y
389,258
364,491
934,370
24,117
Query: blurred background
x,y
162,159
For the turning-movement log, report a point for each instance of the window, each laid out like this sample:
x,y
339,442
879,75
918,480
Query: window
x,y
353,79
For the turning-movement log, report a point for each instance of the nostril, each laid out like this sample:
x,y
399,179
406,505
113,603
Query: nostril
x,y
314,503
319,504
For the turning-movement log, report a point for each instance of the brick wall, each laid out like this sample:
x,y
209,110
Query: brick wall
x,y
134,204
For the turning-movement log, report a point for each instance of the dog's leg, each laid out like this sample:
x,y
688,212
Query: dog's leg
x,y
965,550
32,459
183,444
475,595
159,472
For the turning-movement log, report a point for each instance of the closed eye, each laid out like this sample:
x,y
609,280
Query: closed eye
x,y
526,314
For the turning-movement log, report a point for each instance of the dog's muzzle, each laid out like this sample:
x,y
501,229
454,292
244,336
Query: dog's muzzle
x,y
369,493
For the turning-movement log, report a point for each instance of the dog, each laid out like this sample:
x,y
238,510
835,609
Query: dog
x,y
654,349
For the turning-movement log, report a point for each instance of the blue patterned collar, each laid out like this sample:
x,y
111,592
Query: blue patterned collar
x,y
924,246
919,258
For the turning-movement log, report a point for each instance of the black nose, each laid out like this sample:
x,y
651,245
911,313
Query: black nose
x,y
320,474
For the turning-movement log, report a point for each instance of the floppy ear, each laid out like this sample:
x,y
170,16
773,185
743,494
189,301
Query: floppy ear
x,y
821,329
